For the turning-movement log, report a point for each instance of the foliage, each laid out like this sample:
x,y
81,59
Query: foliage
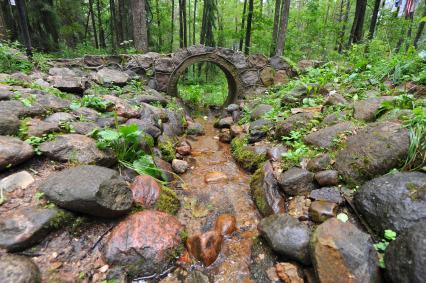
x,y
247,158
297,149
168,151
389,235
145,165
37,141
92,101
416,158
13,60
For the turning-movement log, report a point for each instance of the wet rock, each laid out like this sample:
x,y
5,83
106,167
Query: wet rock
x,y
405,257
319,163
183,148
112,76
366,109
180,166
225,224
197,276
321,210
259,129
394,201
146,127
296,181
195,129
205,247
286,236
83,128
294,122
298,207
275,153
145,243
327,178
72,84
260,110
342,253
89,189
224,123
9,124
175,125
60,117
325,137
373,151
76,148
18,269
331,194
166,169
25,227
13,151
289,272
225,136
121,107
15,181
37,128
215,177
264,190
145,190
236,131
232,107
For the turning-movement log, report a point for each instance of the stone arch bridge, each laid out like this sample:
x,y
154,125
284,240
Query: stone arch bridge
x,y
162,71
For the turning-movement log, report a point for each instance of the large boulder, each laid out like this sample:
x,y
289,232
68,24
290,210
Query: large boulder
x,y
366,109
145,243
18,269
394,201
13,151
342,253
287,236
405,257
373,151
76,148
9,124
25,227
72,84
326,137
265,191
89,189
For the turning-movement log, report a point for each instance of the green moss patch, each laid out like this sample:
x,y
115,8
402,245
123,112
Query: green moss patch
x,y
168,201
167,150
247,158
256,191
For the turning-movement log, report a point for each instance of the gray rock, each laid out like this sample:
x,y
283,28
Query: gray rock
x,y
335,99
260,110
83,128
38,128
9,124
17,108
25,227
18,180
224,122
296,95
180,166
146,127
76,148
18,269
393,202
174,126
374,151
232,107
331,194
84,113
286,236
405,257
319,163
294,122
110,122
333,118
342,253
61,71
195,129
112,76
60,117
279,63
49,102
89,189
296,181
13,151
366,109
152,99
72,84
327,178
259,129
325,137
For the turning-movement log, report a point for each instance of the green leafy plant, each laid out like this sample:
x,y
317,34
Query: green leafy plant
x,y
389,235
13,60
37,141
91,101
416,157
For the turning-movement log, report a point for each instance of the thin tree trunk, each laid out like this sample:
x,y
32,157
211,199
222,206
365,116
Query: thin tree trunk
x,y
194,21
102,42
160,32
86,30
121,22
95,34
243,21
373,22
185,25
345,22
420,29
113,24
410,31
173,26
276,24
140,29
356,31
181,33
248,30
285,10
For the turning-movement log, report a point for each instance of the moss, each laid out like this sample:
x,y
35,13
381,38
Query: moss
x,y
168,201
416,191
167,150
62,218
257,194
247,158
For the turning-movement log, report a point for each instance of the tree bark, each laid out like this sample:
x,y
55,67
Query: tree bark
x,y
160,37
3,29
95,34
194,21
140,29
373,22
420,29
173,26
358,23
243,21
248,30
113,24
102,42
285,10
276,24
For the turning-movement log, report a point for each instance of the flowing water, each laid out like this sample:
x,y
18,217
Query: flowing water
x,y
227,192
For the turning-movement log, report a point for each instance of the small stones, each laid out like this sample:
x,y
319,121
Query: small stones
x,y
327,178
145,190
20,180
289,272
321,210
180,166
298,207
225,136
205,247
183,148
195,129
236,131
13,151
112,76
60,117
296,181
224,123
225,224
215,177
331,194
319,163
18,269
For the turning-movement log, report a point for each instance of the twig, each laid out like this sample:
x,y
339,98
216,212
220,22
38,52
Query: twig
x,y
101,237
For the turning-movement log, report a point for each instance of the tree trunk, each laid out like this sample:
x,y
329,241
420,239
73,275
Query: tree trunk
x,y
243,21
113,24
173,26
374,19
420,29
345,22
160,37
285,10
276,24
140,29
248,30
194,21
185,25
95,34
3,29
102,42
356,31
121,22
